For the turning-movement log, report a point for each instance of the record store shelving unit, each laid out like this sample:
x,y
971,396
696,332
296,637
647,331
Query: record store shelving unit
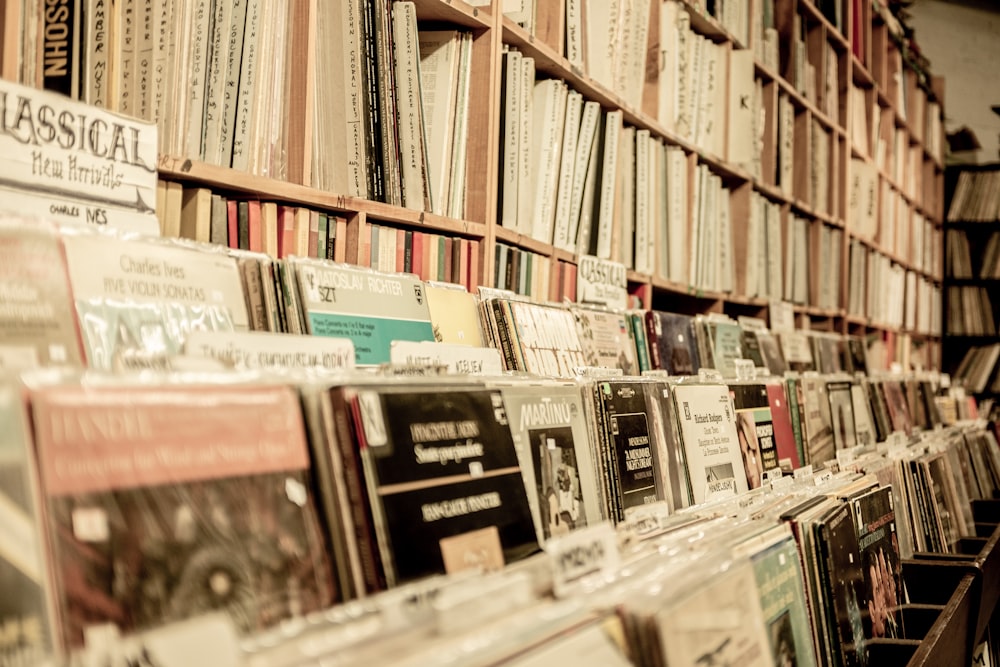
x,y
953,598
968,259
861,55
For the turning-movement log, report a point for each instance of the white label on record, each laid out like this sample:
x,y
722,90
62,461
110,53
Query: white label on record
x,y
803,472
259,350
460,359
582,553
602,282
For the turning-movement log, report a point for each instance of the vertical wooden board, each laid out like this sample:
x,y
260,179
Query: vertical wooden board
x,y
10,32
651,78
740,202
301,73
484,128
550,24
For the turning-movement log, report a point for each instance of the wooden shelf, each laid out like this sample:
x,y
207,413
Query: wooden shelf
x,y
263,187
454,11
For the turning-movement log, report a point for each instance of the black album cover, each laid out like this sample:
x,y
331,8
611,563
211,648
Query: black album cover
x,y
875,521
841,415
841,560
445,482
672,343
631,443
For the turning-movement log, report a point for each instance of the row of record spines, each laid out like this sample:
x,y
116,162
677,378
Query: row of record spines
x,y
428,255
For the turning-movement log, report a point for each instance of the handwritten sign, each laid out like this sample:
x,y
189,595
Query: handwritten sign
x,y
601,282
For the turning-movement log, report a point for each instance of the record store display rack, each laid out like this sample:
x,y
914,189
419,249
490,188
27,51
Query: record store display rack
x,y
445,332
972,276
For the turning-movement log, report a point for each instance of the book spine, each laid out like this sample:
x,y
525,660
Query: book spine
x,y
97,68
61,48
146,23
409,121
609,169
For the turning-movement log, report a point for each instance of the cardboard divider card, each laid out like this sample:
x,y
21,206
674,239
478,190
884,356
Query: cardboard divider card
x,y
587,552
461,359
603,282
258,350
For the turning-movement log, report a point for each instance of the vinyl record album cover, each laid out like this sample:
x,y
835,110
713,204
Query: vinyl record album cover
x,y
454,316
841,414
553,445
371,309
443,478
707,425
842,561
672,343
882,593
632,443
784,435
755,431
24,612
167,502
607,339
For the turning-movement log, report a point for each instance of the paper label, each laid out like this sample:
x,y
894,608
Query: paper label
x,y
804,472
602,282
582,553
257,350
105,267
68,148
69,211
460,359
476,550
209,639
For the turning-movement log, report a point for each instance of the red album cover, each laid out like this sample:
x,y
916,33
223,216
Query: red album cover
x,y
784,436
167,502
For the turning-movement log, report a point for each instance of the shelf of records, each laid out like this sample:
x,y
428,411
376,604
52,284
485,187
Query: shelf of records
x,y
807,507
572,158
975,194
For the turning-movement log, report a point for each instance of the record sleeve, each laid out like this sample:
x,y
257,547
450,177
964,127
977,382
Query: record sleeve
x,y
672,343
899,412
784,436
841,563
24,606
371,309
781,589
443,479
543,339
718,623
454,316
553,447
164,502
36,326
726,345
632,443
771,352
882,589
864,427
707,427
755,431
818,431
841,414
607,339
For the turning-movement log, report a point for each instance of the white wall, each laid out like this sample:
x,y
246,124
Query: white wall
x,y
962,41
